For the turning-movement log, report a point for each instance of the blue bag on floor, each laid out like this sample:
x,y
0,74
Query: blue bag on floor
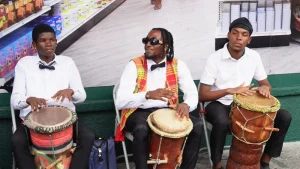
x,y
103,155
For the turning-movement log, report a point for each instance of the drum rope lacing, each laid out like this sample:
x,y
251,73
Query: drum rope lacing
x,y
247,120
50,136
158,152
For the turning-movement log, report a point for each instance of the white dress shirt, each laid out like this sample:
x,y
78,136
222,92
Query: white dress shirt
x,y
31,81
155,79
223,72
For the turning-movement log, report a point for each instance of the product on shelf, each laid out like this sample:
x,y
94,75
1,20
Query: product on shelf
x,y
38,5
10,12
14,47
20,9
264,15
3,64
3,18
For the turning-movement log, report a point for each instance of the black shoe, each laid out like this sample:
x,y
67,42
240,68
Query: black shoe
x,y
264,165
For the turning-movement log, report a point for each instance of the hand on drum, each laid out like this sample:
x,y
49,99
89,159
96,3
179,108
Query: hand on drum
x,y
62,95
263,90
36,103
160,94
182,110
243,90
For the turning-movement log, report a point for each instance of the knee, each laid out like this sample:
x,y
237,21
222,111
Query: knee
x,y
18,140
198,128
221,122
88,137
141,132
285,116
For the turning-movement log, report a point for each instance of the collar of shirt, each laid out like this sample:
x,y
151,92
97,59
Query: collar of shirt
x,y
150,62
55,60
226,54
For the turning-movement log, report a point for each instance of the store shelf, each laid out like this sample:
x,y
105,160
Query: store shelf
x,y
24,21
66,32
51,3
220,34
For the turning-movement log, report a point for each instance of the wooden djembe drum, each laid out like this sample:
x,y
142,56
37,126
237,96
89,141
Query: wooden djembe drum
x,y
252,124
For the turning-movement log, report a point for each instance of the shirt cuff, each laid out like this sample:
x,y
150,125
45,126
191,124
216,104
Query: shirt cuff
x,y
76,95
190,109
23,103
141,97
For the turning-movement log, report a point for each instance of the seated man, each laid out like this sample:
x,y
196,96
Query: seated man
x,y
40,80
230,71
147,86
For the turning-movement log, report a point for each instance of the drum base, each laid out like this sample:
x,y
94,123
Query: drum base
x,y
61,161
245,156
170,151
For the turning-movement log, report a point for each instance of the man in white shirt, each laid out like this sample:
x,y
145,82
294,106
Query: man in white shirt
x,y
230,71
151,82
43,80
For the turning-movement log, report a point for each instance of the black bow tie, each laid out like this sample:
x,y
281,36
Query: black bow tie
x,y
153,67
50,67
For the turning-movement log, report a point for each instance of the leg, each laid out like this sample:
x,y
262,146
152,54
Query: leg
x,y
157,4
274,145
218,115
137,124
82,152
23,157
191,150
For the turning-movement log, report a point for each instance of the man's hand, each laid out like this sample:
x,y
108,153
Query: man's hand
x,y
263,90
161,94
243,90
36,103
182,111
62,94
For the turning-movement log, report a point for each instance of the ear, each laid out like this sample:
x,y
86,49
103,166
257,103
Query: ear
x,y
33,44
250,38
228,35
166,48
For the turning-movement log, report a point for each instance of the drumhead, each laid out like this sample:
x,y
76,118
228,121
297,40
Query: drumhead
x,y
50,119
257,102
165,122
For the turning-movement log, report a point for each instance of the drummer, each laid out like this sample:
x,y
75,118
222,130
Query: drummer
x,y
229,71
143,90
41,80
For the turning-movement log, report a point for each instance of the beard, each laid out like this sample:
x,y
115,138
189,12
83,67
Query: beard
x,y
152,57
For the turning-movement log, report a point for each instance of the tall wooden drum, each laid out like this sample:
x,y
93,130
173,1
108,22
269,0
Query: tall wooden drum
x,y
252,124
168,138
51,134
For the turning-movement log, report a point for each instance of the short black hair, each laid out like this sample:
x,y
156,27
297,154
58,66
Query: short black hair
x,y
41,28
243,23
167,40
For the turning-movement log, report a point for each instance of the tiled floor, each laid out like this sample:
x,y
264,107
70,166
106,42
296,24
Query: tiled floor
x,y
103,52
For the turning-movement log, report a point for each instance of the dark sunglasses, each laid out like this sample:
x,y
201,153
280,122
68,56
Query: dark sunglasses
x,y
152,41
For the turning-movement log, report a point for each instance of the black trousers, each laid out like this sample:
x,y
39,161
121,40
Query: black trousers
x,y
80,158
218,115
137,124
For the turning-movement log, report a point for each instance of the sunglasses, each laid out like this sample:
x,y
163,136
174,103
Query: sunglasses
x,y
152,41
